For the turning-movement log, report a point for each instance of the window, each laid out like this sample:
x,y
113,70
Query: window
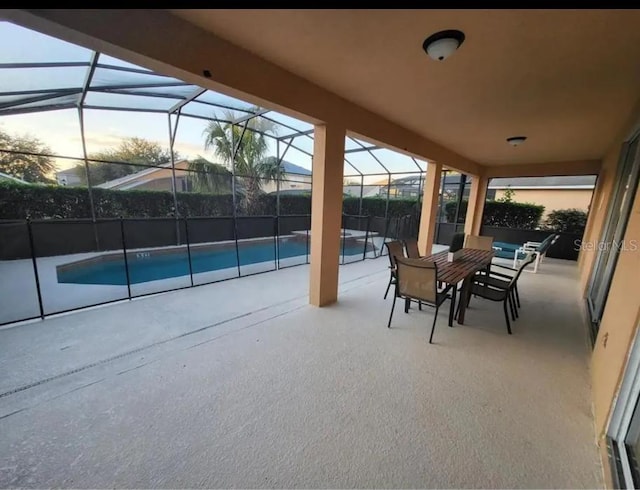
x,y
613,233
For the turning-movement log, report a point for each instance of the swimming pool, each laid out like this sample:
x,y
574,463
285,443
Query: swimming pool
x,y
152,265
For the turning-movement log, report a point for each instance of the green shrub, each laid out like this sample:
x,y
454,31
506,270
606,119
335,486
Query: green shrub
x,y
512,215
20,201
450,211
376,206
500,213
567,220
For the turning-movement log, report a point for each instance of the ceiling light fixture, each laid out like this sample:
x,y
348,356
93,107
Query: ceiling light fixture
x,y
516,140
441,45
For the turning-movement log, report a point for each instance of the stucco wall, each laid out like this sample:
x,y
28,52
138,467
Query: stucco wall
x,y
552,199
622,312
619,323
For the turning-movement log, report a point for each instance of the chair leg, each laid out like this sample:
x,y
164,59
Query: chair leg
x,y
506,316
536,263
511,308
433,326
420,305
513,302
517,295
388,286
392,307
452,308
407,304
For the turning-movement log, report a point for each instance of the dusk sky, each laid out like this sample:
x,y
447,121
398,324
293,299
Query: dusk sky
x,y
60,129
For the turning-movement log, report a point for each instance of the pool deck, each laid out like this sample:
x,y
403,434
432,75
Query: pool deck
x,y
242,384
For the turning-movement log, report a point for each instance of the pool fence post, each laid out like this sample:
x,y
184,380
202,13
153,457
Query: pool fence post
x,y
387,222
235,239
35,268
344,236
366,239
307,258
276,235
186,236
126,260
461,185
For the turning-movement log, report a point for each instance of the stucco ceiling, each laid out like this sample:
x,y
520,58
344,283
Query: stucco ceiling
x,y
568,80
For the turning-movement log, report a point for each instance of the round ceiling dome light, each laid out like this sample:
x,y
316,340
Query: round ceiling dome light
x,y
441,45
516,140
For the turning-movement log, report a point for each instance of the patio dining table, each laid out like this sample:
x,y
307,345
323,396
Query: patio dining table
x,y
463,269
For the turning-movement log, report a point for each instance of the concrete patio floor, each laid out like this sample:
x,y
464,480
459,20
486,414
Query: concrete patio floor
x,y
242,384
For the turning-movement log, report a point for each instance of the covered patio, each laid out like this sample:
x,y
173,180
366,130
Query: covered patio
x,y
166,392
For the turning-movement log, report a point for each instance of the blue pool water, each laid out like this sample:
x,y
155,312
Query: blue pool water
x,y
151,266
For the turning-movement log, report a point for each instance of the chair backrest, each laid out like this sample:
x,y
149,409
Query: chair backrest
x,y
395,249
411,246
417,279
529,258
547,242
479,242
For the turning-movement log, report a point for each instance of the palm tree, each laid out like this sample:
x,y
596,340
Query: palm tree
x,y
208,177
250,162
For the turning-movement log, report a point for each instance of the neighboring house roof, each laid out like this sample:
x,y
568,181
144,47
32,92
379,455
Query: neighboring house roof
x,y
292,168
288,167
558,182
132,180
136,179
4,176
69,171
413,179
367,190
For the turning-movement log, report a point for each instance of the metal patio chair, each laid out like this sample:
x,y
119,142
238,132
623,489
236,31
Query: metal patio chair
x,y
417,281
411,247
479,242
504,293
538,249
395,249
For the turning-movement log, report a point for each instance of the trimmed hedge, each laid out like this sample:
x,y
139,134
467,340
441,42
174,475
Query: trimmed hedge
x,y
512,215
19,201
503,214
566,220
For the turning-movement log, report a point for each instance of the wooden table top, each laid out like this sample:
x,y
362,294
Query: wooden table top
x,y
471,261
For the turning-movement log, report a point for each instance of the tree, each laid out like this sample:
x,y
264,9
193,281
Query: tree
x,y
508,195
208,177
567,220
131,150
26,158
251,166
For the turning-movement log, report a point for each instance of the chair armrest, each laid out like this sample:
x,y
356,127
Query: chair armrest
x,y
481,280
533,244
499,274
503,267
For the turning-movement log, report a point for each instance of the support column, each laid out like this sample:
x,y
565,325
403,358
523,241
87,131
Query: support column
x,y
475,207
326,213
429,207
